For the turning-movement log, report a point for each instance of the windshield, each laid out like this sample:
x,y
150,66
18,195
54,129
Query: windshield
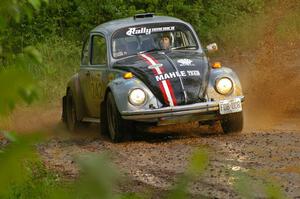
x,y
152,37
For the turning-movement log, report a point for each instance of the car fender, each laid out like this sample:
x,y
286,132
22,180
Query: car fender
x,y
121,88
74,86
215,74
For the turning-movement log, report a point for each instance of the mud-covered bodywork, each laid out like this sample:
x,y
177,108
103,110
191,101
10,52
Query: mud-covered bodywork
x,y
174,84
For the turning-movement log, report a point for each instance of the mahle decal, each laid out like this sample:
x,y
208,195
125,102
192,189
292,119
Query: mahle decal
x,y
176,74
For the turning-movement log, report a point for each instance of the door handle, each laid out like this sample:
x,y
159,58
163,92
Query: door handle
x,y
88,73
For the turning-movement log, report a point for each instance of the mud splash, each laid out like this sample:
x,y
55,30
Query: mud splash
x,y
271,75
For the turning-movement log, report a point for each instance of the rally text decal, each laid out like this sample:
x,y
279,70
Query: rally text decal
x,y
143,30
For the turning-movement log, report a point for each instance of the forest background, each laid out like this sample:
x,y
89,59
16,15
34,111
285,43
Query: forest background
x,y
57,27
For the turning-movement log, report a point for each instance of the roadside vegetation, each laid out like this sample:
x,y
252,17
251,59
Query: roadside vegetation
x,y
40,46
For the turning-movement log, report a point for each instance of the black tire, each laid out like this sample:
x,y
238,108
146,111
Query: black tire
x,y
118,128
233,123
71,120
103,120
64,113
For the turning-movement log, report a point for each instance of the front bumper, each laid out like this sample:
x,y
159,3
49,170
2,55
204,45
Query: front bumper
x,y
201,108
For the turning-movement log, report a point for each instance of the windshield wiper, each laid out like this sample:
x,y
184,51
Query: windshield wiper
x,y
183,47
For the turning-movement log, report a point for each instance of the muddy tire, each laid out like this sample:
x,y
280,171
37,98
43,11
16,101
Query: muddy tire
x,y
70,114
118,128
103,120
233,123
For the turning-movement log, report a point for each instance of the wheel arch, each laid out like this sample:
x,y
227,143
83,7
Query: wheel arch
x,y
120,88
223,72
102,104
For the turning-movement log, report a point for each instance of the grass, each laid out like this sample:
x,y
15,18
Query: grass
x,y
40,183
61,59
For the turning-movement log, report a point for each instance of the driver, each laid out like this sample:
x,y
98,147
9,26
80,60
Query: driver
x,y
165,41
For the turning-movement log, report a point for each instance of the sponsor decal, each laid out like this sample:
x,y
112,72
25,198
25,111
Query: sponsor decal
x,y
171,75
155,66
185,62
164,85
143,30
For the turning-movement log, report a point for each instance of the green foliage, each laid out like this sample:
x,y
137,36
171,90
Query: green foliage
x,y
72,19
243,34
99,177
251,185
15,83
198,163
12,13
15,86
13,159
39,183
61,59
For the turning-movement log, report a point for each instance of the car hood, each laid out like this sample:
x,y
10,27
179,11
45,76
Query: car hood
x,y
175,78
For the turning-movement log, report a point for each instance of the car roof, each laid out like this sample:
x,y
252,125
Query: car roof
x,y
112,26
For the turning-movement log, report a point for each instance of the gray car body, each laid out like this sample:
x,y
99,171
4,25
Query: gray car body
x,y
111,80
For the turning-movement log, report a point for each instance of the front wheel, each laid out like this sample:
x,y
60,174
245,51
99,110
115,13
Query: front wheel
x,y
232,123
117,127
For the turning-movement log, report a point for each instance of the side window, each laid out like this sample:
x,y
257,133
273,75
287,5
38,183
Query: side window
x,y
98,50
85,53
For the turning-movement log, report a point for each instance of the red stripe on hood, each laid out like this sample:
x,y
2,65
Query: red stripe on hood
x,y
167,81
159,83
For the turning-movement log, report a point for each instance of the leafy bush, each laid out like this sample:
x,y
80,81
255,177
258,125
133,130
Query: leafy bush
x,y
72,19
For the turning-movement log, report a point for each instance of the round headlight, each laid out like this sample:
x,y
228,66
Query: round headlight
x,y
137,97
224,85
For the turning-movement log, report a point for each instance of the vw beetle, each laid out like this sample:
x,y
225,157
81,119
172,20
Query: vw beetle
x,y
127,77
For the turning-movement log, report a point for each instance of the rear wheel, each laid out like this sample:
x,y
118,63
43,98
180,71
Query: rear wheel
x,y
233,123
71,119
103,120
117,127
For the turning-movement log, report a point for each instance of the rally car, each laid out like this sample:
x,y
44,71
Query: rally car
x,y
153,70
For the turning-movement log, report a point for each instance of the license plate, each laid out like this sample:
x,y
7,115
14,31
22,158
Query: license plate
x,y
230,106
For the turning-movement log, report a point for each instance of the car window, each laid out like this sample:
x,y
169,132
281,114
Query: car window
x,y
85,53
98,50
132,40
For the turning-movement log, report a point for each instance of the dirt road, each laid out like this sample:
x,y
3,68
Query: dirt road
x,y
154,161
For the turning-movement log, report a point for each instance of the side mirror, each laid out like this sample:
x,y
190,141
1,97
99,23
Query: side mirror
x,y
212,47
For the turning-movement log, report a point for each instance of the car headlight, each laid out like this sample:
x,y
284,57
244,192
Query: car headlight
x,y
137,97
224,85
